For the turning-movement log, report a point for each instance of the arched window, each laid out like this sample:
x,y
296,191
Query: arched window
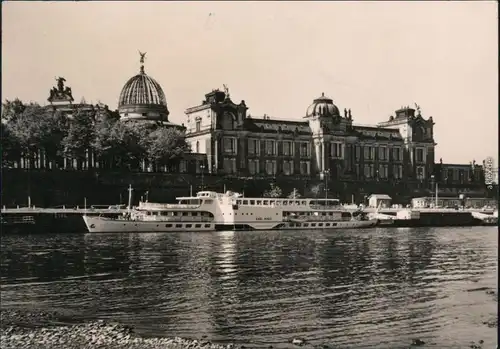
x,y
197,146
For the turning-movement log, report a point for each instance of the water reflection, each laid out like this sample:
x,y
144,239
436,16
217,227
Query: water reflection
x,y
374,288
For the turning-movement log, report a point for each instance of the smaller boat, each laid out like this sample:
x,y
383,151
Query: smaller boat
x,y
193,213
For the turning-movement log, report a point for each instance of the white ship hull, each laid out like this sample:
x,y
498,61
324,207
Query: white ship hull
x,y
96,224
310,225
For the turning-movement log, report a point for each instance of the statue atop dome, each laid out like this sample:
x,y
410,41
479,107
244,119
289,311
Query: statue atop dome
x,y
143,55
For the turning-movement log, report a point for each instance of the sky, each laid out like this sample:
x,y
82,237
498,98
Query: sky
x,y
371,57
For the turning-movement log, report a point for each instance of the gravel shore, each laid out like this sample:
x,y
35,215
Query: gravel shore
x,y
22,330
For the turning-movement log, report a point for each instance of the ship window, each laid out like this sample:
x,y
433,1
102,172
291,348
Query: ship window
x,y
327,224
207,225
168,225
178,225
334,224
304,202
252,202
184,213
208,201
195,214
266,202
238,202
259,202
306,225
245,202
197,225
189,225
284,203
320,224
272,202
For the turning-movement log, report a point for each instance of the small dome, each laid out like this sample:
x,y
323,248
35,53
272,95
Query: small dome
x,y
142,98
322,106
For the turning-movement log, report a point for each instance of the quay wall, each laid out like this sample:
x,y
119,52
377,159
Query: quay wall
x,y
72,188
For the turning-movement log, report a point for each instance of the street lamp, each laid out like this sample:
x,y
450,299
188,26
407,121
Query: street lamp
x,y
326,174
434,181
202,167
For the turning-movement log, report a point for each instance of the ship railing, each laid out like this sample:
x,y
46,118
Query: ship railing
x,y
327,207
154,206
175,219
317,218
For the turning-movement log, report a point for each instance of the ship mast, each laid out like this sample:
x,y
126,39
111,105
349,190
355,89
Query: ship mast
x,y
129,197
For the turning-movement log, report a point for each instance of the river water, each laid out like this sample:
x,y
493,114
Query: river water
x,y
375,288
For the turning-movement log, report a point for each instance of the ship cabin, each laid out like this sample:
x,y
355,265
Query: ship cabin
x,y
314,204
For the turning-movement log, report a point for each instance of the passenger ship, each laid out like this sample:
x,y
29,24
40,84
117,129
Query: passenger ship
x,y
241,213
189,214
210,210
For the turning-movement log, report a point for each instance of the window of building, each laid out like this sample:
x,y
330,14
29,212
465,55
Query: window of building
x,y
305,149
253,166
397,171
183,166
230,145
253,147
420,155
382,153
336,150
358,152
270,147
198,126
305,168
383,171
396,154
367,173
288,167
287,148
420,172
229,165
197,146
271,167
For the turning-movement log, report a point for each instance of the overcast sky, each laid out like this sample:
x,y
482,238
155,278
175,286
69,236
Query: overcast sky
x,y
372,57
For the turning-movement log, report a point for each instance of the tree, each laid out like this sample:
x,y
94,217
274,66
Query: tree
x,y
38,128
10,146
273,192
166,147
294,194
80,135
316,189
12,109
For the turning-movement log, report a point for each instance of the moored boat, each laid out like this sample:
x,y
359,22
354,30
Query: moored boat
x,y
242,213
189,214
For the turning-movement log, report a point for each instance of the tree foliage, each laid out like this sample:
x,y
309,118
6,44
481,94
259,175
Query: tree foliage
x,y
37,128
273,192
294,194
30,128
80,134
166,146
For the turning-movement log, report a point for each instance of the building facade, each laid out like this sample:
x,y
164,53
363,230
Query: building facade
x,y
325,143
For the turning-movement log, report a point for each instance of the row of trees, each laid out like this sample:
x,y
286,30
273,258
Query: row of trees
x,y
275,191
28,129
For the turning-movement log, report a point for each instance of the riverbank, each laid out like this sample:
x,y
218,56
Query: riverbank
x,y
21,330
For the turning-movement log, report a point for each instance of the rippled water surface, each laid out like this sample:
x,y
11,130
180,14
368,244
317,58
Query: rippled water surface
x,y
353,289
